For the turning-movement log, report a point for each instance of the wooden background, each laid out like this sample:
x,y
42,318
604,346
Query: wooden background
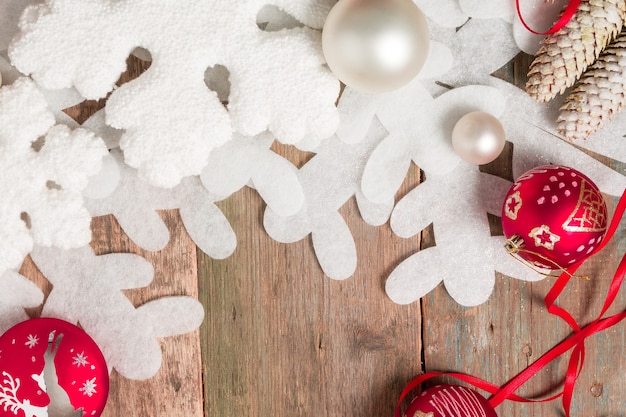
x,y
281,339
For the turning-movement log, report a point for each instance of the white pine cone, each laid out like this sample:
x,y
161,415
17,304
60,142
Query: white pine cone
x,y
597,96
565,55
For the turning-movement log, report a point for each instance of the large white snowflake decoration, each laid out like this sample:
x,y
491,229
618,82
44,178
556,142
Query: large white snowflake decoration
x,y
249,161
269,73
421,133
44,168
465,255
329,179
473,62
203,220
88,289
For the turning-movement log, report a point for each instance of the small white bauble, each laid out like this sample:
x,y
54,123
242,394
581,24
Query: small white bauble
x,y
478,138
375,46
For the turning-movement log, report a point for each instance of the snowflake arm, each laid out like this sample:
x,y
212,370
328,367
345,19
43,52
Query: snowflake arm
x,y
334,247
16,294
45,167
207,226
88,289
374,214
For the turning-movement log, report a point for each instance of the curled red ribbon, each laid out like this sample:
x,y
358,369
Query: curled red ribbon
x,y
567,15
576,341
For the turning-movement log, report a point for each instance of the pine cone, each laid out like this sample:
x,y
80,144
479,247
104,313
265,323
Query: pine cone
x,y
565,55
597,96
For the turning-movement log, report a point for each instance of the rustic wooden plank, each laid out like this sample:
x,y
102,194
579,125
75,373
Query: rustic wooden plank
x,y
282,339
177,388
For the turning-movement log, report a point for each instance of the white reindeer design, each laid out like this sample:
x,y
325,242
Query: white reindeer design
x,y
8,398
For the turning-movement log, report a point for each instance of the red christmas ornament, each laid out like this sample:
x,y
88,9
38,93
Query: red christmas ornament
x,y
554,216
51,367
450,401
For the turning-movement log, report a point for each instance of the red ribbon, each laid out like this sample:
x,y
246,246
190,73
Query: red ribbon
x,y
576,341
567,15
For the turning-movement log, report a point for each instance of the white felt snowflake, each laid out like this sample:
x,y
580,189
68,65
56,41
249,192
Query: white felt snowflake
x,y
473,62
88,289
531,128
465,256
204,221
446,13
249,160
44,168
16,294
329,179
171,119
420,131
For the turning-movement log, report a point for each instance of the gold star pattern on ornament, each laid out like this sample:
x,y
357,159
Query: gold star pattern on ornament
x,y
589,215
512,205
544,237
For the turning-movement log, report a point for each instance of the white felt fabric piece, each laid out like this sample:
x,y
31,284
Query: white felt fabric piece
x,y
16,294
466,256
473,61
422,134
135,203
488,9
329,179
41,183
531,129
446,13
87,289
167,143
244,159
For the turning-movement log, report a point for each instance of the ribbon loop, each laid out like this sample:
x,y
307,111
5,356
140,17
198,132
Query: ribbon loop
x,y
566,16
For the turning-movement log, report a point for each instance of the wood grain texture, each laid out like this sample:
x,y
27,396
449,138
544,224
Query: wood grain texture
x,y
281,339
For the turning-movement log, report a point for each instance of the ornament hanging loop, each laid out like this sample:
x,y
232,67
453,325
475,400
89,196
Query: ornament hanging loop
x,y
515,244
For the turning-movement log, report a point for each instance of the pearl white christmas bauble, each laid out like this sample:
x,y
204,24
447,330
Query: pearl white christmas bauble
x,y
478,138
375,45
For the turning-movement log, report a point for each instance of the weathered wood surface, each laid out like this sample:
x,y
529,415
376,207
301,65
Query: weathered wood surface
x,y
281,339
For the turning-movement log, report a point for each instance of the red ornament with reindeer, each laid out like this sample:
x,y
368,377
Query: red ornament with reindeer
x,y
554,217
51,367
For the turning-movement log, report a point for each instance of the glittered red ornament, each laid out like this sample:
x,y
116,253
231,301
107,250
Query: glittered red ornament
x,y
51,367
450,401
555,215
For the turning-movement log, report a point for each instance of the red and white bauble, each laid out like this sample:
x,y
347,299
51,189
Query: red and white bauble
x,y
556,215
450,401
51,367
